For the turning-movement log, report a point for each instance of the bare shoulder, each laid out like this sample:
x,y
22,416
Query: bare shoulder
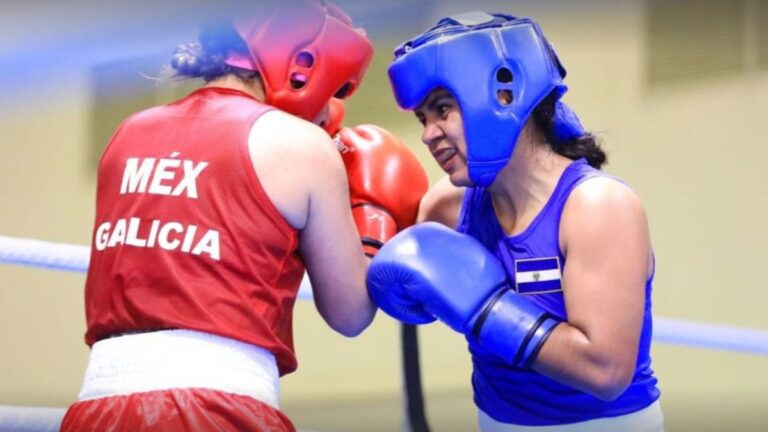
x,y
279,130
296,163
603,213
604,195
442,203
296,146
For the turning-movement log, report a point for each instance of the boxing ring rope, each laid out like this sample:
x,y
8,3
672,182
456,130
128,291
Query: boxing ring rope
x,y
74,258
67,257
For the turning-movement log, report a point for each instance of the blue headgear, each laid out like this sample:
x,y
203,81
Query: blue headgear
x,y
479,57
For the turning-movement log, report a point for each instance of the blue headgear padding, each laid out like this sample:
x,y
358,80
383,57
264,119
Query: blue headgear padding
x,y
465,54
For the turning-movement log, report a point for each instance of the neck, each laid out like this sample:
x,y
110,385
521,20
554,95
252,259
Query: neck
x,y
524,186
252,87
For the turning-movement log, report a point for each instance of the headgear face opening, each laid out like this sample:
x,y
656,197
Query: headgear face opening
x,y
306,52
498,67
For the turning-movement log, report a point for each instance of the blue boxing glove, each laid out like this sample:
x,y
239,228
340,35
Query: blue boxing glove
x,y
430,271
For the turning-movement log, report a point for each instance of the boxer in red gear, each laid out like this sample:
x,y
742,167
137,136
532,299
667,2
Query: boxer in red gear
x,y
208,212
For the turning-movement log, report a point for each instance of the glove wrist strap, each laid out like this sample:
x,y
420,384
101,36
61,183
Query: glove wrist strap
x,y
375,226
513,327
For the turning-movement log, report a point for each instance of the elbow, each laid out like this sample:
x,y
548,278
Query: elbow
x,y
610,383
348,318
355,326
351,331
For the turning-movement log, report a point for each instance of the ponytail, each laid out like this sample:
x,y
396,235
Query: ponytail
x,y
549,116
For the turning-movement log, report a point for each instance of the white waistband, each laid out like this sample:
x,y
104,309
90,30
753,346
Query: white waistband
x,y
171,359
648,419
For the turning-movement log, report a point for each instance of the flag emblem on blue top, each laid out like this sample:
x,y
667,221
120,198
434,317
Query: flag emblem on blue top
x,y
538,275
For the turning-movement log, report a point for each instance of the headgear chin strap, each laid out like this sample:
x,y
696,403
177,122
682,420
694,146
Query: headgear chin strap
x,y
498,67
306,52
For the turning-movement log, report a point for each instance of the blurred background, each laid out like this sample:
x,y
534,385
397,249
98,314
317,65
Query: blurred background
x,y
675,89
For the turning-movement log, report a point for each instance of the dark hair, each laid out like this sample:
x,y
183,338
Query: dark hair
x,y
205,59
585,146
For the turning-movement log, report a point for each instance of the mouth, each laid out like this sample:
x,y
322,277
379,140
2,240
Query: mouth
x,y
444,155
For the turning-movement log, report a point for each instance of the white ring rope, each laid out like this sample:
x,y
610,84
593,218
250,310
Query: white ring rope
x,y
38,253
69,257
30,419
712,336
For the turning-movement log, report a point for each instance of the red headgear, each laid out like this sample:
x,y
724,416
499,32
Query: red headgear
x,y
306,53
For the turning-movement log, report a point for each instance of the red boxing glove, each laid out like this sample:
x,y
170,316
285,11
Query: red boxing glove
x,y
386,183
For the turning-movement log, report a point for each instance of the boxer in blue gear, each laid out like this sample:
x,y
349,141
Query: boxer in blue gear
x,y
566,348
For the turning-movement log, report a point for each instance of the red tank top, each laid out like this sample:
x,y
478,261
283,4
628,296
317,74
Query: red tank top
x,y
185,236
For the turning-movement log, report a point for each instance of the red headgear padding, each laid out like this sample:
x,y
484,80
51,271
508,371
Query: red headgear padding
x,y
306,52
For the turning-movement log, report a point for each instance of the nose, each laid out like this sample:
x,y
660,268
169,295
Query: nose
x,y
432,133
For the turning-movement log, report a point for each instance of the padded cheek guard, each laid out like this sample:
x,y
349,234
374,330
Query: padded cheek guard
x,y
477,64
305,55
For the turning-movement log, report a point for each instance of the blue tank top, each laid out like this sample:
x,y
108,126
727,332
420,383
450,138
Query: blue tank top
x,y
534,263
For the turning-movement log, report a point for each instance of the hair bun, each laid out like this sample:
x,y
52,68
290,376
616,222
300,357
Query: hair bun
x,y
186,59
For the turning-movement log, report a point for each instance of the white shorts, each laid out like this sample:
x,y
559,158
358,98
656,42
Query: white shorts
x,y
177,359
648,419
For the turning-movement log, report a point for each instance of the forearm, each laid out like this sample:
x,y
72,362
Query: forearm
x,y
349,314
570,357
338,286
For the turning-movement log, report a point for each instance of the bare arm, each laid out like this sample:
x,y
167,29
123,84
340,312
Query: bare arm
x,y
333,254
302,172
442,203
604,236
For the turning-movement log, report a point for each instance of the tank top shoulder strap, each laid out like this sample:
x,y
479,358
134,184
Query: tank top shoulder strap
x,y
469,204
575,174
476,209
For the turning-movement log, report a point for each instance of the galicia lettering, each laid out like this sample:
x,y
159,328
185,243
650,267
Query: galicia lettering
x,y
170,236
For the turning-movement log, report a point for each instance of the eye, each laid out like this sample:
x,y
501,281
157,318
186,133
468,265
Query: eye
x,y
344,91
421,118
444,107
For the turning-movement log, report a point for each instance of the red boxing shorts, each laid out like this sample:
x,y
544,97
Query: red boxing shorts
x,y
178,380
176,410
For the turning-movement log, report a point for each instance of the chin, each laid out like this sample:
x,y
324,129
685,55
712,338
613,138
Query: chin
x,y
460,179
